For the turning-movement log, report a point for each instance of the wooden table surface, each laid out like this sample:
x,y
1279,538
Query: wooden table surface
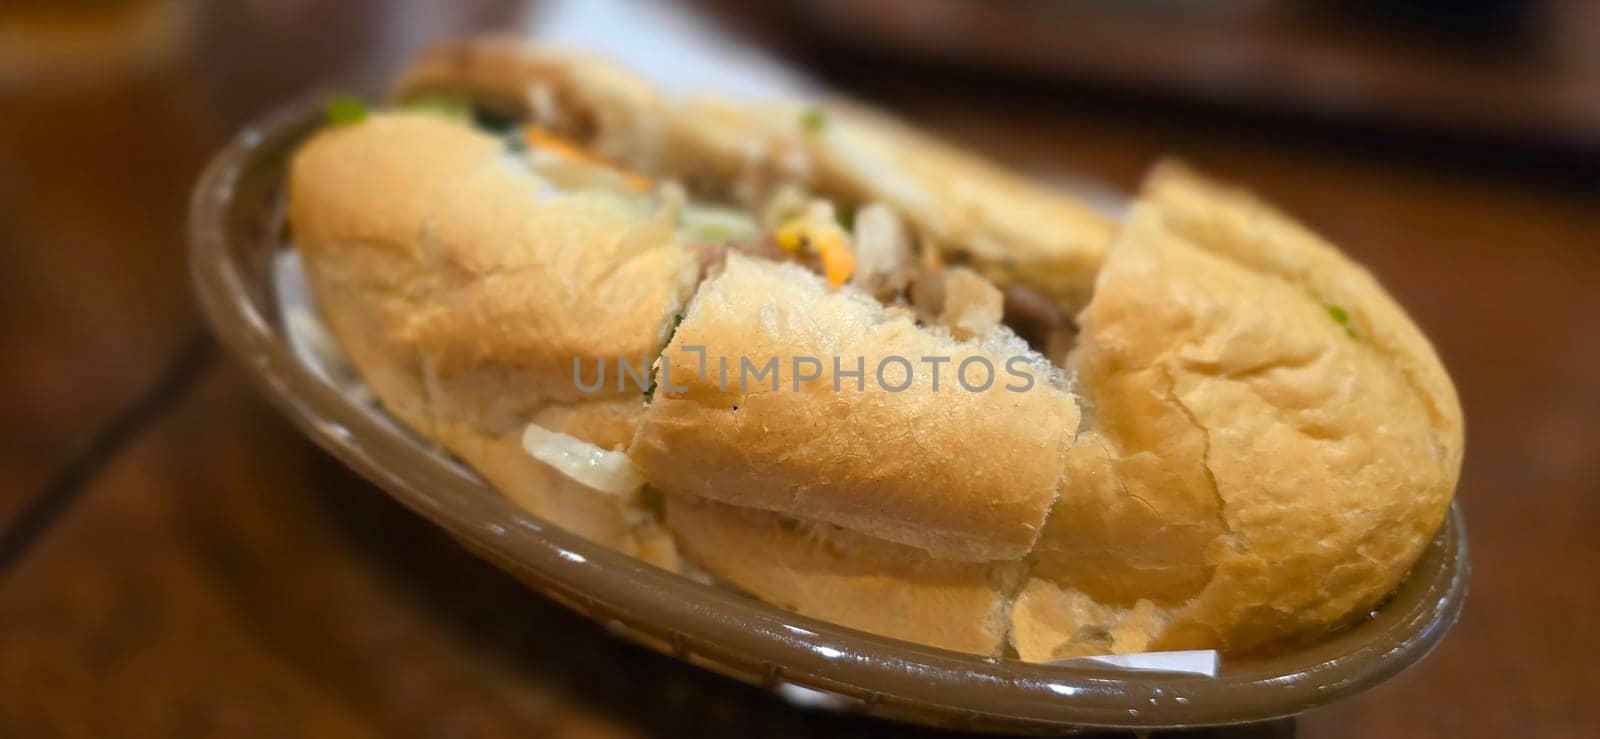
x,y
224,577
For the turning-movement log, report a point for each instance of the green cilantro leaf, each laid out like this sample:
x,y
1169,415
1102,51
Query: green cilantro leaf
x,y
344,110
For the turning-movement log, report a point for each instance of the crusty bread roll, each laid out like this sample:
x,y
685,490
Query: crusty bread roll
x,y
1265,443
463,293
490,282
962,474
1273,442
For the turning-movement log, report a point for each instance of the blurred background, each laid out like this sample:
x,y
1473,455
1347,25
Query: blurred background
x,y
220,576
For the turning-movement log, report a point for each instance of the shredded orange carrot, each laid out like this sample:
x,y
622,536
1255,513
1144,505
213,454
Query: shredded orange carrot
x,y
544,140
827,243
837,261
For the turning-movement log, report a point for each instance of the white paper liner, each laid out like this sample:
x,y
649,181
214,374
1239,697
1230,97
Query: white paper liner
x,y
309,339
1189,662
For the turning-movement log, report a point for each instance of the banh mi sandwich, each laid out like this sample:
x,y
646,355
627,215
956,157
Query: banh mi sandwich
x,y
850,370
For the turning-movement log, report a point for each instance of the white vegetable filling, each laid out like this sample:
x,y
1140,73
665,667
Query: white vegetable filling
x,y
600,469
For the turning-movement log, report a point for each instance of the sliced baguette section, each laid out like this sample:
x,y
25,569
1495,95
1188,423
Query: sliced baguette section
x,y
463,290
455,260
962,475
1272,442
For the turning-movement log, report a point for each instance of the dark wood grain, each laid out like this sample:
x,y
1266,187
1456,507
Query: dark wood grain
x,y
1530,75
225,578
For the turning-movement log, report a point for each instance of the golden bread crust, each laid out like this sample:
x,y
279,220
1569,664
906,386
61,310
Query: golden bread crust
x,y
462,294
963,475
455,260
1235,224
1256,470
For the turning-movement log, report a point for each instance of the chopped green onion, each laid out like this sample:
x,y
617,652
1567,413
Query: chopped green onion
x,y
1341,317
847,218
714,232
716,224
814,120
345,109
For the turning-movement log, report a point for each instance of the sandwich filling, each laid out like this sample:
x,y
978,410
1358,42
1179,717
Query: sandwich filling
x,y
1253,390
864,246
